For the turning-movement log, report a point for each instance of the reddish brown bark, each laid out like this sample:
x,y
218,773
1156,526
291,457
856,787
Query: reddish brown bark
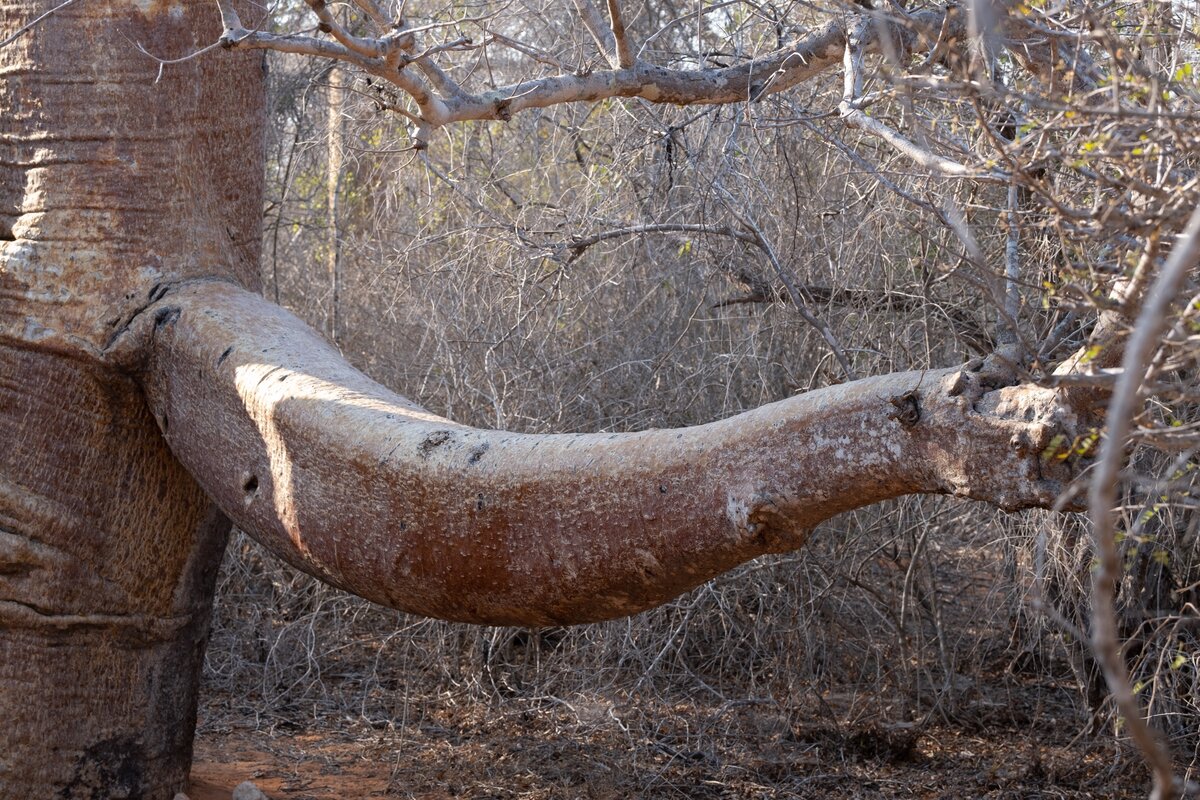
x,y
357,485
111,186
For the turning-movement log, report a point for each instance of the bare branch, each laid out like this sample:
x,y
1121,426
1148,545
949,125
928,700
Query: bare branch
x,y
579,245
438,78
720,493
986,279
164,62
854,116
1102,499
375,13
1012,265
432,107
21,31
625,57
535,53
601,33
368,48
935,164
798,300
788,66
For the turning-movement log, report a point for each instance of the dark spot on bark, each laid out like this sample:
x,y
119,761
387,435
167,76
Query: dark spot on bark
x,y
480,503
165,316
477,453
108,770
284,376
324,27
502,111
250,485
908,408
433,440
263,378
403,525
221,358
165,424
158,292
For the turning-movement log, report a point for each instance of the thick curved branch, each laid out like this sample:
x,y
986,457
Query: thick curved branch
x,y
371,493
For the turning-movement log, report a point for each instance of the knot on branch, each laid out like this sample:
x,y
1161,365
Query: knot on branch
x,y
763,521
1025,445
982,375
907,409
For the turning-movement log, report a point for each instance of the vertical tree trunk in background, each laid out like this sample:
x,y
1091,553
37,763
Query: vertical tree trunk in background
x,y
112,187
332,184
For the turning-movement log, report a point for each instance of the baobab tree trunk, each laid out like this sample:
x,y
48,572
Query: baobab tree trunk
x,y
141,376
112,185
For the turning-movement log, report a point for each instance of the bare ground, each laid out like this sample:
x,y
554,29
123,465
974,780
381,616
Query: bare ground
x,y
752,688
999,745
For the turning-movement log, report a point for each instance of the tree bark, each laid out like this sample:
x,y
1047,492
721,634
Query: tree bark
x,y
112,185
333,181
364,489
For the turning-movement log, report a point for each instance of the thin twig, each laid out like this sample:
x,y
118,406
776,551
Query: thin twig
x,y
21,31
798,300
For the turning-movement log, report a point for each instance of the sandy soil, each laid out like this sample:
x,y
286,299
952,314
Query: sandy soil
x,y
744,751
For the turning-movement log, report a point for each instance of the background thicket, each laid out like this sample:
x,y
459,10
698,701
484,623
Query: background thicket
x,y
621,266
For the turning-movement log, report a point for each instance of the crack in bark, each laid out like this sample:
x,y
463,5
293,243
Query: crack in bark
x,y
124,347
140,629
